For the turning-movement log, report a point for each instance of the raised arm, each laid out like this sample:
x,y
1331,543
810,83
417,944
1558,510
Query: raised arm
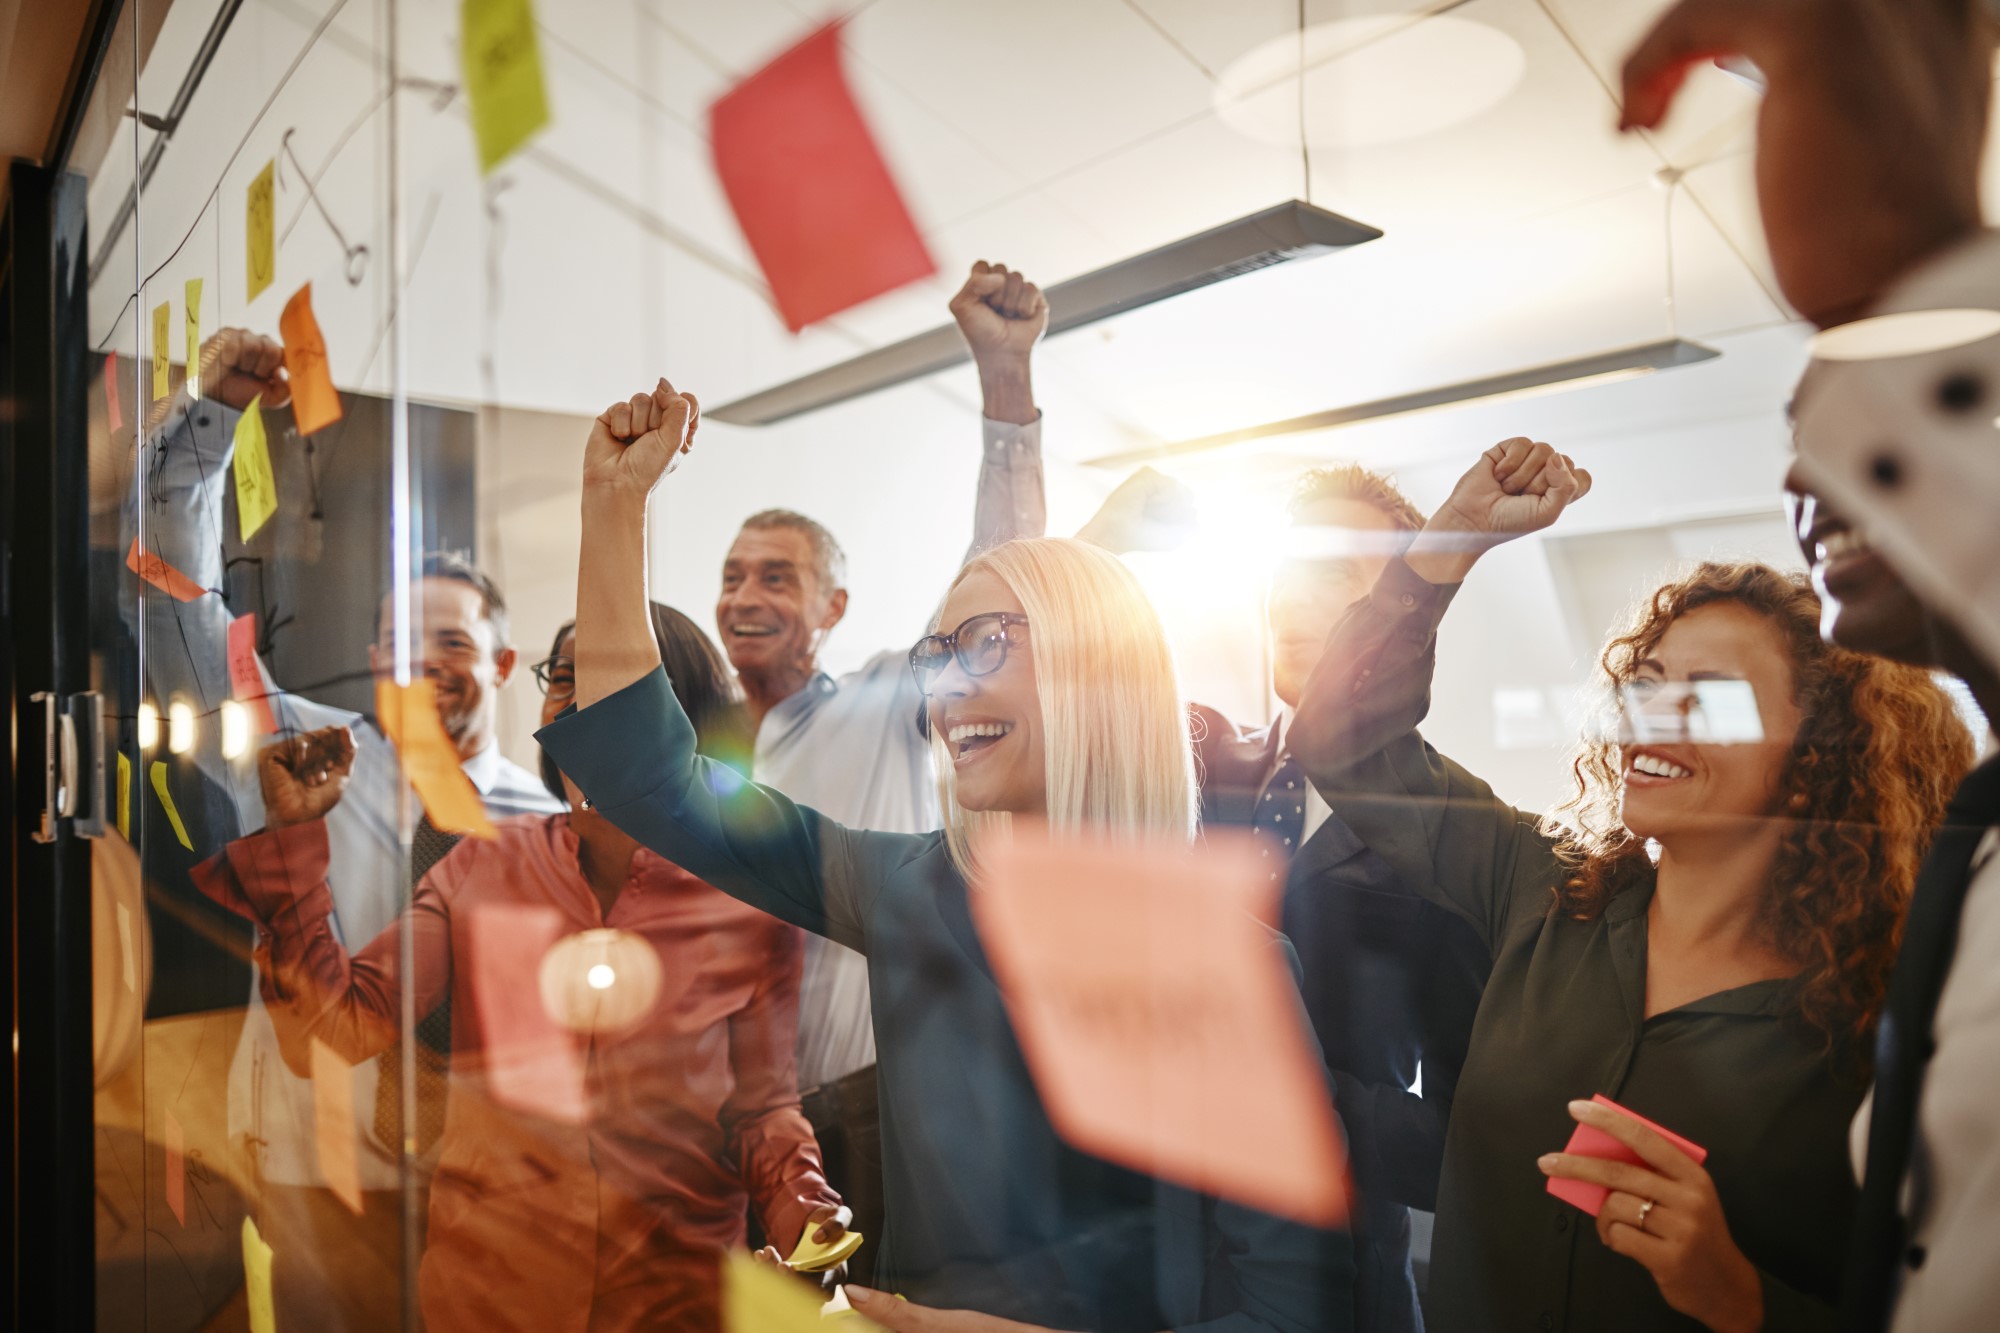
x,y
627,744
278,879
1442,830
1002,315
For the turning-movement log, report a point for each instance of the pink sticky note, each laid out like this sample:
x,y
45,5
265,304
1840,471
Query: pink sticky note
x,y
246,682
111,412
809,187
333,1124
176,1190
1589,1141
1158,1017
532,1064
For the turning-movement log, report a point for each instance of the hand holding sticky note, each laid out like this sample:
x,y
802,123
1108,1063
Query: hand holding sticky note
x,y
1590,1141
812,1256
1157,1015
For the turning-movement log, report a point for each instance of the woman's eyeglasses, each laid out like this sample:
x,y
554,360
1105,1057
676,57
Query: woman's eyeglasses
x,y
556,676
980,645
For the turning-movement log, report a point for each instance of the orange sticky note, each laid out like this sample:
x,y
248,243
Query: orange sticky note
x,y
1158,1017
111,412
315,404
1589,1141
809,187
333,1124
176,1190
256,485
260,250
409,717
162,575
246,682
532,1064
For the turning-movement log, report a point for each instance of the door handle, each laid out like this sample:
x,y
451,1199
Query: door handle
x,y
61,761
91,823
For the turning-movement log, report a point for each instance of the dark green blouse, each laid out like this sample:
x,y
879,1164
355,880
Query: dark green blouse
x,y
1563,1017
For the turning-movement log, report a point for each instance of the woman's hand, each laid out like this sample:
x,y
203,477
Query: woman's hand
x,y
832,1221
1683,1238
1517,487
303,777
904,1317
635,443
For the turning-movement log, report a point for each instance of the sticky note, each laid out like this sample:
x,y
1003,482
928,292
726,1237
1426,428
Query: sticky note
x,y
260,220
246,681
124,797
163,322
760,1299
162,575
1159,1018
408,716
809,187
315,404
503,76
191,311
111,412
333,1124
1589,1141
532,1064
256,486
176,1191
167,803
257,1280
128,953
813,1257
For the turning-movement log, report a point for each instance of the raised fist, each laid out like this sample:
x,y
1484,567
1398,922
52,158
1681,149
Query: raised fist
x,y
304,776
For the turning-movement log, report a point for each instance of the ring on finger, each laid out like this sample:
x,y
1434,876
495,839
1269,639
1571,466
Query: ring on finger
x,y
1645,1210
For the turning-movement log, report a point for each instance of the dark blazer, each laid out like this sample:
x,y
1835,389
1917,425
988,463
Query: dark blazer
x,y
1390,980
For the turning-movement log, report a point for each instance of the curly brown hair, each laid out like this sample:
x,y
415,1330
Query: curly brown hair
x,y
1878,752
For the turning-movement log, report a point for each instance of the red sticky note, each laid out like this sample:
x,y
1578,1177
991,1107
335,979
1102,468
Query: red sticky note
x,y
1158,1017
809,187
531,1063
315,403
176,1190
333,1124
1589,1141
162,575
111,412
246,682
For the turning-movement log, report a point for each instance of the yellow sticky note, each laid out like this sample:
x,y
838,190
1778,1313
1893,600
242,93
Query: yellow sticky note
x,y
257,1279
167,800
333,1123
124,797
193,315
408,715
813,1257
163,322
128,951
757,1299
260,220
256,487
503,76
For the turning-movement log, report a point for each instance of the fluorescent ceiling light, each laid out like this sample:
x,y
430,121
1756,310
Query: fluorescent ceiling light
x,y
1557,377
1290,231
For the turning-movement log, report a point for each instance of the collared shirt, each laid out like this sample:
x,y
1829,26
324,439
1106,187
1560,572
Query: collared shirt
x,y
1952,1194
615,1222
1563,1016
850,749
186,656
1317,809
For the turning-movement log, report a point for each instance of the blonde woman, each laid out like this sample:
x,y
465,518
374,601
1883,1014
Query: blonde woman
x,y
1051,693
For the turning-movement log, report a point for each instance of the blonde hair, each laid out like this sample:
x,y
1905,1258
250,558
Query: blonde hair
x,y
1115,727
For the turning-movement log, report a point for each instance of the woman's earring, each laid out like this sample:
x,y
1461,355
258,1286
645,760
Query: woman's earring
x,y
1798,801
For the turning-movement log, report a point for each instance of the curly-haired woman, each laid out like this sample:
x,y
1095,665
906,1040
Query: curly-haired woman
x,y
1704,939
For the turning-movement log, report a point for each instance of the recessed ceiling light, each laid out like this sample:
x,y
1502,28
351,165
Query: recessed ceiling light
x,y
1373,80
